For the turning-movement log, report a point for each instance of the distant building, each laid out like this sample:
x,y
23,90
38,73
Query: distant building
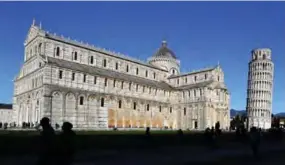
x,y
260,87
94,88
6,113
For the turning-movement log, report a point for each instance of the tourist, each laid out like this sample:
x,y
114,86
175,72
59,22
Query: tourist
x,y
47,143
67,147
255,140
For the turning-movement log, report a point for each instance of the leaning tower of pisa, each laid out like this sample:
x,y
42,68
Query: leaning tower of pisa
x,y
259,89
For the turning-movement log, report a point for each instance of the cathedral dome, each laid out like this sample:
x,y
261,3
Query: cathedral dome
x,y
164,51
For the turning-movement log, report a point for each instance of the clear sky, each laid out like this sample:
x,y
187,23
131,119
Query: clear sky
x,y
200,33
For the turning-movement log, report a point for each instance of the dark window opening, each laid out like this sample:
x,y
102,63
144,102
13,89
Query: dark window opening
x,y
75,56
114,83
206,76
91,60
146,73
147,107
130,86
104,62
120,103
137,71
154,75
122,84
184,111
170,110
185,79
177,81
106,82
143,88
60,74
81,100
137,87
102,102
218,78
84,78
195,78
127,68
57,51
135,105
160,108
117,66
73,76
95,79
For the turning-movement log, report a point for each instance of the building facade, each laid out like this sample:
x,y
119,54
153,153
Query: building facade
x,y
93,88
6,113
260,87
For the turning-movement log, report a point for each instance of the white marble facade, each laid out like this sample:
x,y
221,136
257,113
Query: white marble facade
x,y
6,113
94,88
260,88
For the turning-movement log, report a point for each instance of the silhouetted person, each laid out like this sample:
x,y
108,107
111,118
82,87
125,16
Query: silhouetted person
x,y
255,140
147,131
47,143
67,144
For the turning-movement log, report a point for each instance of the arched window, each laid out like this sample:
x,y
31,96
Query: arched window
x,y
114,83
104,62
264,56
195,78
91,59
173,71
120,104
206,76
135,105
170,110
147,107
127,68
102,102
57,51
146,73
184,111
81,100
137,71
154,76
75,56
160,108
117,66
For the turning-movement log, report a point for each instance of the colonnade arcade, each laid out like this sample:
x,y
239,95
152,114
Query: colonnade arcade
x,y
102,110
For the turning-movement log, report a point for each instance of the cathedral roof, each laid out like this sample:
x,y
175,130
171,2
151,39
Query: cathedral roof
x,y
107,73
193,72
100,50
196,85
164,51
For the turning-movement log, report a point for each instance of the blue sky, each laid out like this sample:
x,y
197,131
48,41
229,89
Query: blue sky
x,y
200,33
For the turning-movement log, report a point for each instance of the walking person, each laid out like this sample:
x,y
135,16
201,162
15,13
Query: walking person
x,y
66,144
255,140
47,143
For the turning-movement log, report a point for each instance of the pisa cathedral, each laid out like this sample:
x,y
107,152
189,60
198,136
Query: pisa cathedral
x,y
93,88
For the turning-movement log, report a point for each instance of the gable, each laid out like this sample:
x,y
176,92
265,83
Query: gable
x,y
33,32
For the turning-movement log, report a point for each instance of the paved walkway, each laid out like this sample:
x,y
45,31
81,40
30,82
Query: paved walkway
x,y
178,155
